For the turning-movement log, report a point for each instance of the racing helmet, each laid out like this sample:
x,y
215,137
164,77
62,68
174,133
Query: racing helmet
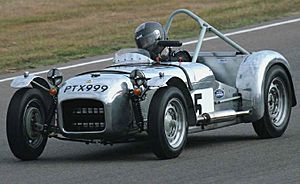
x,y
147,35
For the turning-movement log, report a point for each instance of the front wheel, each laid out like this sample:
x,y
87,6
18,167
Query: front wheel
x,y
26,114
167,123
278,102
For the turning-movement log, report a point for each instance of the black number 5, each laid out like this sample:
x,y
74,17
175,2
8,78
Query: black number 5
x,y
198,106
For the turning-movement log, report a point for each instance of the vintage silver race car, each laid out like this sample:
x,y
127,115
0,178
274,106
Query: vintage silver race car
x,y
154,93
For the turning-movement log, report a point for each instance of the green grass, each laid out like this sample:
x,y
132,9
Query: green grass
x,y
34,33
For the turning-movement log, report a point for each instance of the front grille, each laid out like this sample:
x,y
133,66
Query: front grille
x,y
83,115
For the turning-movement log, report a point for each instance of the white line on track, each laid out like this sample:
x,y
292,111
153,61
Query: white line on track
x,y
185,43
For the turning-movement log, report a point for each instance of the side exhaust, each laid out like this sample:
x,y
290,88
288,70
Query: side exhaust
x,y
219,116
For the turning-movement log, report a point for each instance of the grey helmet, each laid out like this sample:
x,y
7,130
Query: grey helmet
x,y
147,35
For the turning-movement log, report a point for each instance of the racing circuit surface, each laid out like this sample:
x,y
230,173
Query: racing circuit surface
x,y
228,155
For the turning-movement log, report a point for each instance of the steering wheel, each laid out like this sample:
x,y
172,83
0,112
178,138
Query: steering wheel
x,y
181,56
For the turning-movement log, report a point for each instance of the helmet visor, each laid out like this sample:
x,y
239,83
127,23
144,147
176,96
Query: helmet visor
x,y
148,40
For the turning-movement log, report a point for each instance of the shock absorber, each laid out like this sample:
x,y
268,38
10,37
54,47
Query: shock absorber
x,y
136,105
51,111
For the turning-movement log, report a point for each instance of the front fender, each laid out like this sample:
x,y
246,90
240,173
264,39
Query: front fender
x,y
250,80
35,81
159,81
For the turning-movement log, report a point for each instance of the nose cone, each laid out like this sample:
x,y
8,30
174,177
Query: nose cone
x,y
104,87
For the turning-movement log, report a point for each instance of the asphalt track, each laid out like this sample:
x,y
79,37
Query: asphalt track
x,y
228,155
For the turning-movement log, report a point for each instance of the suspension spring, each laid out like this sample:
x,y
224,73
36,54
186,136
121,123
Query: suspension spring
x,y
138,114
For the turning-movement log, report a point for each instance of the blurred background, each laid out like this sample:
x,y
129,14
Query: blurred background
x,y
35,33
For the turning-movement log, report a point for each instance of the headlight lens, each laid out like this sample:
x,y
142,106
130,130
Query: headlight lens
x,y
137,78
54,76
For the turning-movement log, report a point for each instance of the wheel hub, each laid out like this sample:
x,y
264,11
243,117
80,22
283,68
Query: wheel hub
x,y
170,124
277,99
32,118
273,100
174,122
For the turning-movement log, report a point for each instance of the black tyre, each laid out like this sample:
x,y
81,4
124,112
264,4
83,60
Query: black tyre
x,y
278,102
167,123
26,110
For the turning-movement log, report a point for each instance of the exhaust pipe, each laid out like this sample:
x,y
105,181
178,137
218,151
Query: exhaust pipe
x,y
220,116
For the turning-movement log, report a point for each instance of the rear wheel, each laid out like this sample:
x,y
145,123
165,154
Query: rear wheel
x,y
278,102
25,117
167,123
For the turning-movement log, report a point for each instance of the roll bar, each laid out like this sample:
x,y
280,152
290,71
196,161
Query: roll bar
x,y
204,27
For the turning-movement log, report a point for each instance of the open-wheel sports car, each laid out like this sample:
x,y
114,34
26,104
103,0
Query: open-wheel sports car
x,y
155,92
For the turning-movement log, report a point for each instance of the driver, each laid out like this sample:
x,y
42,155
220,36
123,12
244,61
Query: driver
x,y
147,36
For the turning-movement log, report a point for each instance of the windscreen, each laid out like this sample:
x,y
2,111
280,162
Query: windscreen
x,y
132,55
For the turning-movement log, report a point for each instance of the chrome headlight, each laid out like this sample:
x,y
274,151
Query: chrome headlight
x,y
54,76
137,78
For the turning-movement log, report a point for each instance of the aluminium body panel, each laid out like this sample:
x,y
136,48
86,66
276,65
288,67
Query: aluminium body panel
x,y
115,99
250,80
225,65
